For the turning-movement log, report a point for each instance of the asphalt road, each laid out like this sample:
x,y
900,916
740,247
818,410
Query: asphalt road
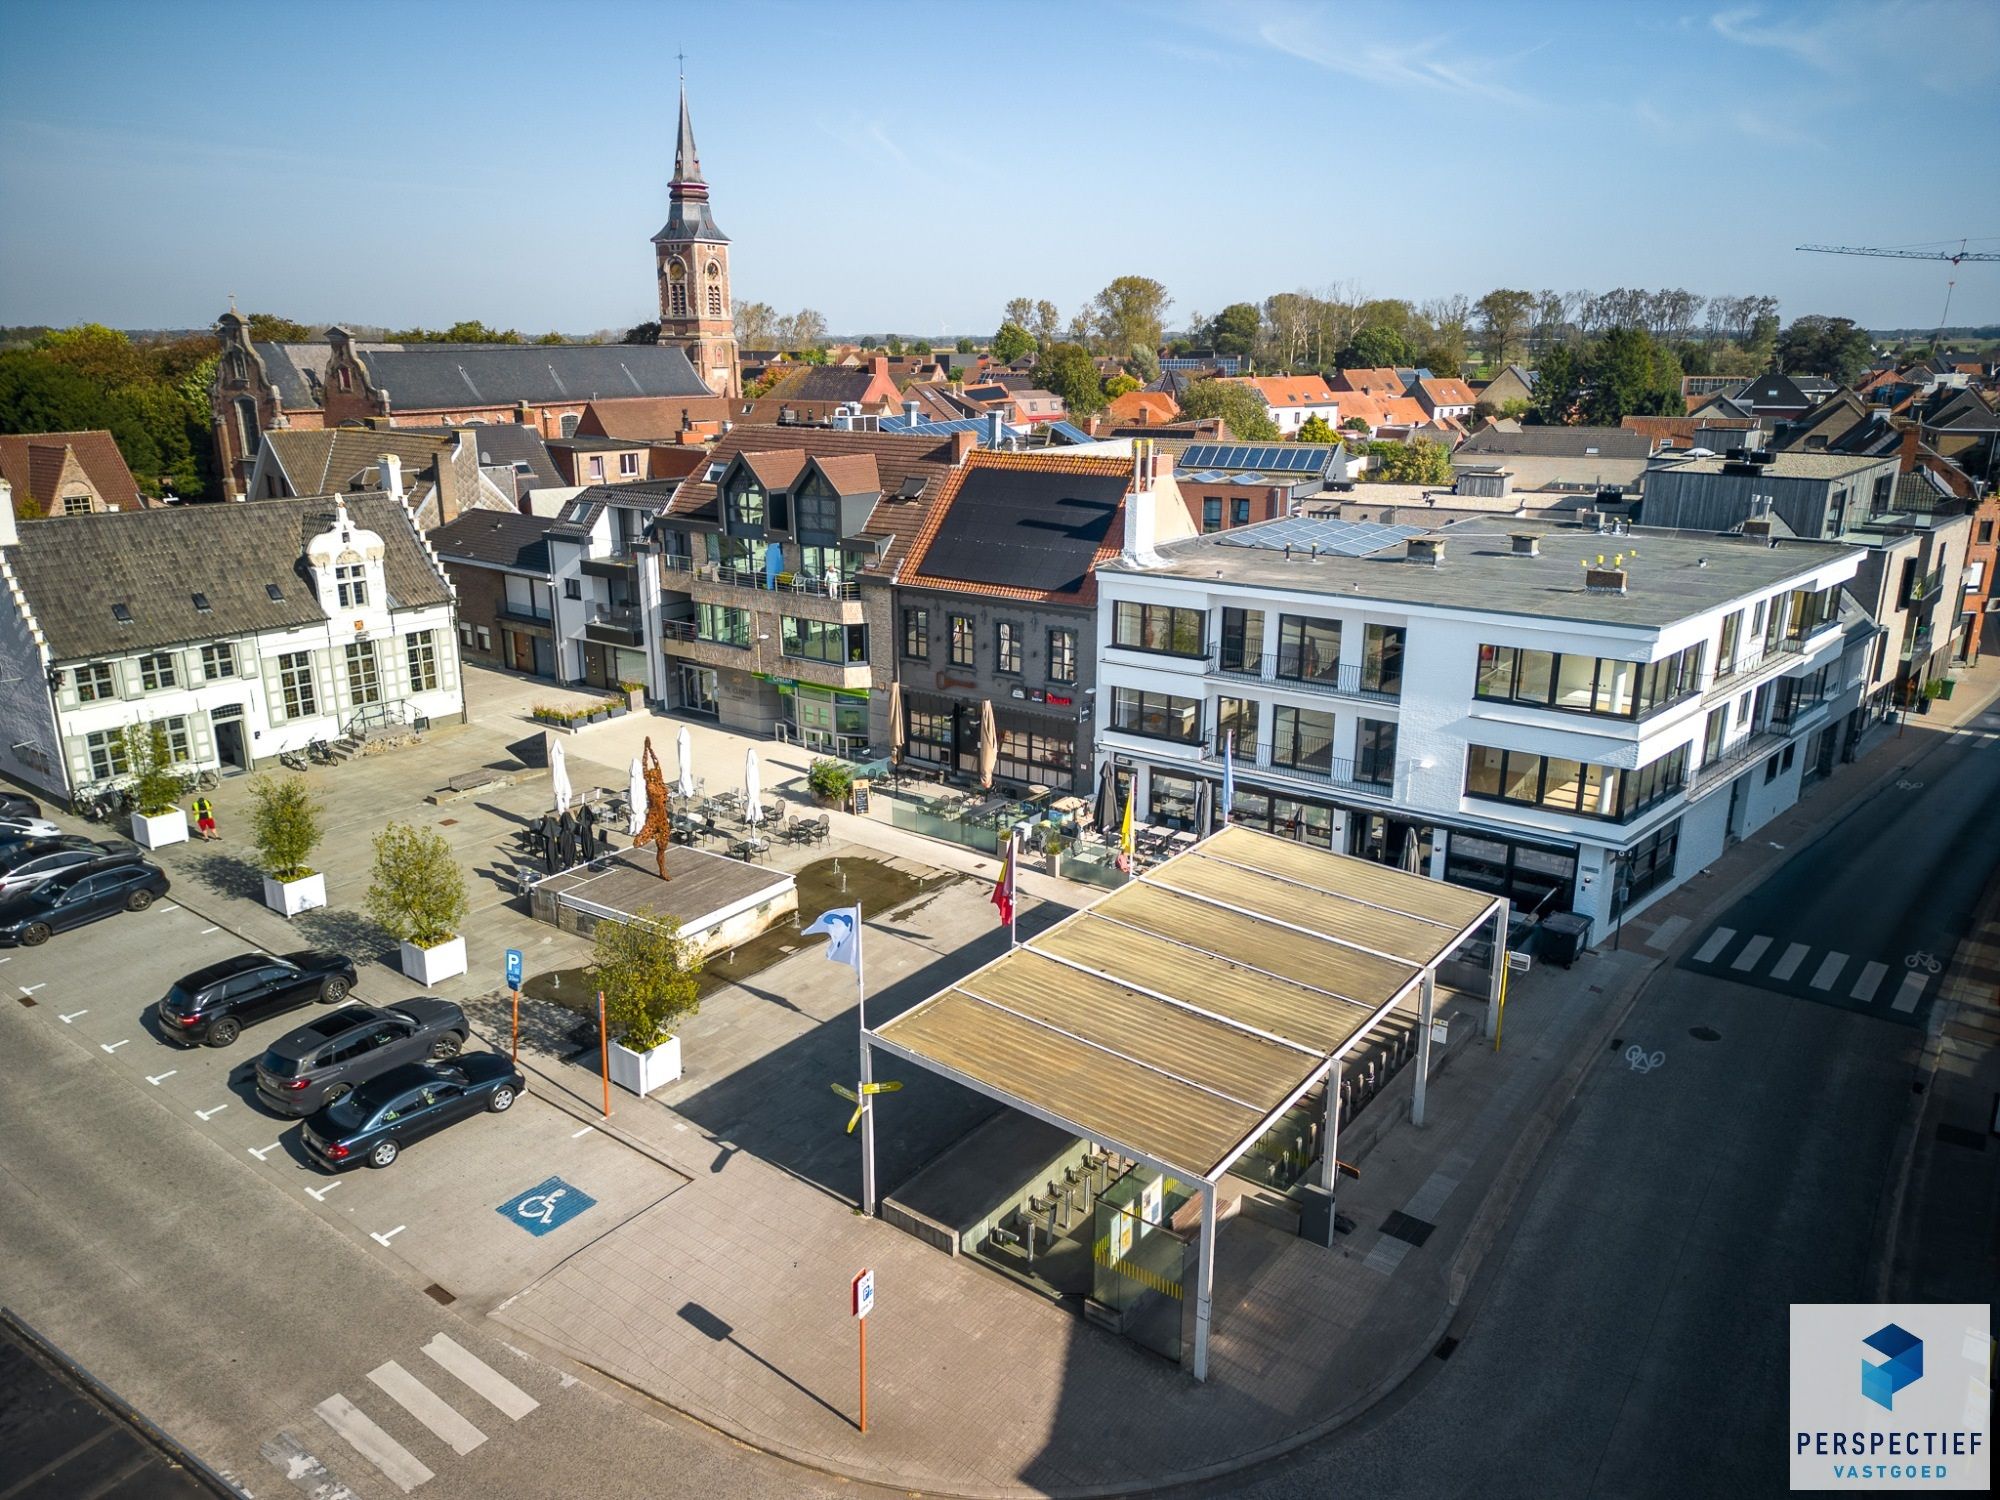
x,y
1630,1339
161,1229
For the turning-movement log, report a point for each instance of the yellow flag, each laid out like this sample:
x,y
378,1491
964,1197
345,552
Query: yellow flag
x,y
1125,828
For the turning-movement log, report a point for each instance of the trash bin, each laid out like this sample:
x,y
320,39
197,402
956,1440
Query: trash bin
x,y
1564,936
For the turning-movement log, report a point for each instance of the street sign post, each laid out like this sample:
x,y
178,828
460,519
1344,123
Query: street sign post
x,y
514,984
863,1291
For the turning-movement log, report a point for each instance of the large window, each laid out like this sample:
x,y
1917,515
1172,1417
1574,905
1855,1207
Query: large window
x,y
964,649
722,624
1308,649
421,649
917,634
107,753
1375,752
1238,717
1026,755
1302,739
1570,786
1586,684
351,582
218,661
1243,641
1650,863
1211,514
95,682
158,671
1062,656
295,685
1007,647
746,507
176,731
364,678
928,737
1159,716
1382,659
821,640
1537,880
1159,627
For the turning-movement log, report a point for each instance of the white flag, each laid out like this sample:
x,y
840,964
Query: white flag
x,y
842,927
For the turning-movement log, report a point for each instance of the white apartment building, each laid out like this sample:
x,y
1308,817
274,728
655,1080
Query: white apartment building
x,y
244,630
1551,716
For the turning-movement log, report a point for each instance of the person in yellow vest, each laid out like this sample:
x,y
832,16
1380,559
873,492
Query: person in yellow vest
x,y
204,818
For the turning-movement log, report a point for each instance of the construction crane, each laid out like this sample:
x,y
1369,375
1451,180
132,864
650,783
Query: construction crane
x,y
1954,256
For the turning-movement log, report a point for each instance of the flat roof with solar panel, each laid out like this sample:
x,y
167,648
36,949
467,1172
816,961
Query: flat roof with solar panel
x,y
1267,458
1321,534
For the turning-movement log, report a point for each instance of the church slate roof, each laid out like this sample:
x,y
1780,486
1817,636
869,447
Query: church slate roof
x,y
444,377
74,569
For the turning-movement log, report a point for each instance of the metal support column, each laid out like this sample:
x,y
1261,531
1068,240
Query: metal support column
x,y
1428,991
1204,1280
1496,979
1330,1133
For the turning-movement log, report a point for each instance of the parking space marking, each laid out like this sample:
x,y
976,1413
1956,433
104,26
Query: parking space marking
x,y
1752,951
482,1377
398,1464
207,1114
383,1239
1788,965
421,1402
166,906
260,1152
1907,997
207,930
574,1135
72,1015
1717,941
155,1079
113,1046
318,1195
1829,968
1871,976
29,989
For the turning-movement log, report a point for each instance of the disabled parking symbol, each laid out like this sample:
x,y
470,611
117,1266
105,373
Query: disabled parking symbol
x,y
546,1206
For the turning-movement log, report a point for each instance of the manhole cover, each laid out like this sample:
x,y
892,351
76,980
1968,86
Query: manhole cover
x,y
1704,1033
439,1295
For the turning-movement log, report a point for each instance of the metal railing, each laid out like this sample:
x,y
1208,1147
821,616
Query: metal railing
x,y
687,630
397,712
1789,717
1732,676
1296,669
1707,777
787,582
1315,769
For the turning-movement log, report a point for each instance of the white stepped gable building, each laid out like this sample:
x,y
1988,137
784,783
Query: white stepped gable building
x,y
244,630
1551,717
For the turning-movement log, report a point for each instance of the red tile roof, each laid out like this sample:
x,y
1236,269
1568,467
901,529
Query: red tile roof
x,y
1446,391
1281,391
1383,382
32,463
654,418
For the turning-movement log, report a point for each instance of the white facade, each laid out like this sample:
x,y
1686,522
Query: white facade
x,y
1383,744
605,595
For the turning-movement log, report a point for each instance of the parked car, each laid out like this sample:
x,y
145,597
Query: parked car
x,y
214,1004
29,863
381,1117
70,898
27,827
19,805
333,1054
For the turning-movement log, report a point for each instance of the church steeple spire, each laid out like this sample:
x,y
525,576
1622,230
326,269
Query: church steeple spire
x,y
687,160
691,256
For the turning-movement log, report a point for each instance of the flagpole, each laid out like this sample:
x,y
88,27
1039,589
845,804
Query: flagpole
x,y
867,1076
1013,886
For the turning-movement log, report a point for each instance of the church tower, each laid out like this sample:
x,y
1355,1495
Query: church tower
x,y
691,256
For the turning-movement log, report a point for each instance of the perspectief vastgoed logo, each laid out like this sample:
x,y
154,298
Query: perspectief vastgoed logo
x,y
1900,1404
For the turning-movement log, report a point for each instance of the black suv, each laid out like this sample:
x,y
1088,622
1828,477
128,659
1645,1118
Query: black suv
x,y
214,1004
328,1056
70,898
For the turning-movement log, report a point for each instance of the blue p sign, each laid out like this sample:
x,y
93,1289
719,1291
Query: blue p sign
x,y
513,968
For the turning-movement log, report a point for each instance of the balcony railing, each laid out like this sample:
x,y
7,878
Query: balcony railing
x,y
1293,669
521,614
1315,770
1732,676
1707,777
613,624
685,630
754,578
1788,719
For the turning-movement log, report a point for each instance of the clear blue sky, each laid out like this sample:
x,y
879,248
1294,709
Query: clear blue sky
x,y
913,166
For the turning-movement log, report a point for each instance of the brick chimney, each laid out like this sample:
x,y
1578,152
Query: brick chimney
x,y
962,443
1906,456
879,367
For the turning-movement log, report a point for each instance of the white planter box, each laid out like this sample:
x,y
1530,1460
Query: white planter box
x,y
642,1072
170,827
290,897
430,965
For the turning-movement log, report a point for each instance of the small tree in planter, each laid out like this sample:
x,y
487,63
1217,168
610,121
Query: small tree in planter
x,y
155,786
649,974
828,781
287,823
635,694
418,895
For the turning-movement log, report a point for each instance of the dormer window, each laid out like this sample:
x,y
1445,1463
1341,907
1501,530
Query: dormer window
x,y
351,580
274,593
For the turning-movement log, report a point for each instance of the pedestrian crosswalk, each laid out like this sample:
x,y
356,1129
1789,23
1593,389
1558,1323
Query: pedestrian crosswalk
x,y
460,1389
1891,988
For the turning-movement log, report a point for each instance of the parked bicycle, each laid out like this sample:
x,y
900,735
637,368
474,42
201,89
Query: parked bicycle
x,y
321,752
294,760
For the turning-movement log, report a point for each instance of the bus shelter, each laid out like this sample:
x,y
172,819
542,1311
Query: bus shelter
x,y
1176,1020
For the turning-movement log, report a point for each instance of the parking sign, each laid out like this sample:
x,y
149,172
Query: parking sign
x,y
864,1293
513,968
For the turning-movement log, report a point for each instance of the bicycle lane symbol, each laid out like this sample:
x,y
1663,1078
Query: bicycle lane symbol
x,y
546,1206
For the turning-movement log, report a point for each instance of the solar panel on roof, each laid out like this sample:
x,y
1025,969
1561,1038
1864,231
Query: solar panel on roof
x,y
1287,458
1304,533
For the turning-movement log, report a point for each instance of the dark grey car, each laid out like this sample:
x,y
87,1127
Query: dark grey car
x,y
332,1054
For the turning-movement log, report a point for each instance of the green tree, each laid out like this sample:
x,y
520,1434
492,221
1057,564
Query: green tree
x,y
1012,342
269,328
100,354
921,346
1628,372
1129,311
1118,385
756,323
642,333
1143,364
1818,345
1503,316
1316,429
650,975
1375,347
965,345
1421,462
1558,386
1069,371
1234,330
552,337
149,766
895,344
418,891
286,824
1238,405
869,341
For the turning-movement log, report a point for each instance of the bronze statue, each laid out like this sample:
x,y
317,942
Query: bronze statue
x,y
657,830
